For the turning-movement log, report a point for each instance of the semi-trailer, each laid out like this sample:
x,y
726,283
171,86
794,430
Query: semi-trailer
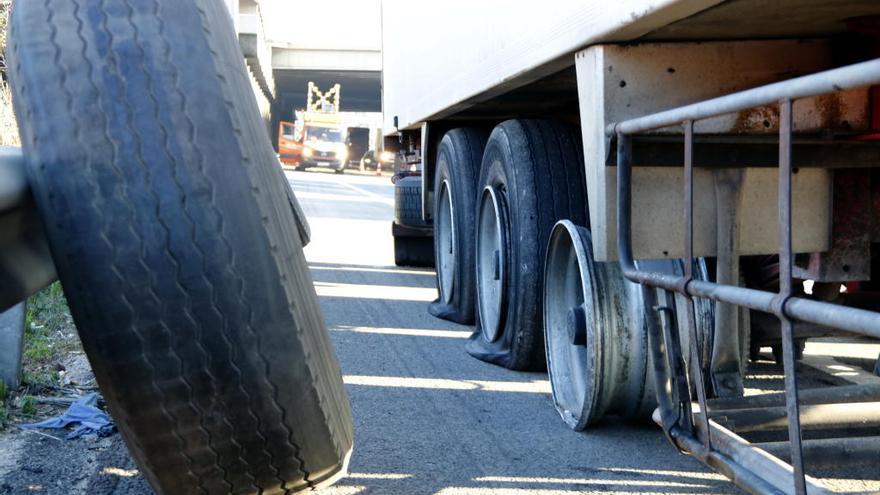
x,y
640,195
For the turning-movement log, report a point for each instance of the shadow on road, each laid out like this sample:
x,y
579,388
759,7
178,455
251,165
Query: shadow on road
x,y
429,419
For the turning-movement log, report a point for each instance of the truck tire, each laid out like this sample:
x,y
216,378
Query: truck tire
x,y
413,251
455,183
532,175
176,244
408,202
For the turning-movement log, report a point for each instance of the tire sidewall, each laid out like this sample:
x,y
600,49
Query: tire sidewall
x,y
522,251
460,184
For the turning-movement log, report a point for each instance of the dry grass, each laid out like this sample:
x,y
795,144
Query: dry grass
x,y
8,126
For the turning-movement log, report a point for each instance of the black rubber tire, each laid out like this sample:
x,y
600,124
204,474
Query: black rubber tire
x,y
408,202
458,168
413,251
537,168
171,228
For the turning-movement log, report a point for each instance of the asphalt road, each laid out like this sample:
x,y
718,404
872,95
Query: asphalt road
x,y
429,419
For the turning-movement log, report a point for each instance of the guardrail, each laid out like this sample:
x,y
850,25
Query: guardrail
x,y
691,426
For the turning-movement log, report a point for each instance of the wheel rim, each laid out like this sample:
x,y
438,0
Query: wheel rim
x,y
568,312
491,263
446,251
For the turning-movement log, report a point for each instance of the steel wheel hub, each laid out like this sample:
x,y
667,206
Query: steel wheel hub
x,y
446,251
491,262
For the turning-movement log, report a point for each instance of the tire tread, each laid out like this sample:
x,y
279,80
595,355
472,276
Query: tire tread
x,y
237,449
545,174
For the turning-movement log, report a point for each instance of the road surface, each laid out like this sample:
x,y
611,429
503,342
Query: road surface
x,y
429,419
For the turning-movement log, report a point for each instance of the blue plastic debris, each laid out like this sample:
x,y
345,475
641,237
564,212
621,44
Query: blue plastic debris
x,y
85,414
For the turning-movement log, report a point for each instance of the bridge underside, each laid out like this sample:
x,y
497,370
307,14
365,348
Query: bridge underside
x,y
361,90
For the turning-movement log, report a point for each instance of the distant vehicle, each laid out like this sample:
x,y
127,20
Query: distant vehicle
x,y
317,138
358,144
289,143
324,146
373,160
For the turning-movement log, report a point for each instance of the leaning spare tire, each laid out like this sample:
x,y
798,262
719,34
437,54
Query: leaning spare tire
x,y
174,235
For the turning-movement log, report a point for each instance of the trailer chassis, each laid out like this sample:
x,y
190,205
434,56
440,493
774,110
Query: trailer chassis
x,y
685,412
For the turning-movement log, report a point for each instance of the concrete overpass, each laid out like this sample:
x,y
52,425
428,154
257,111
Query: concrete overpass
x,y
287,43
358,72
326,42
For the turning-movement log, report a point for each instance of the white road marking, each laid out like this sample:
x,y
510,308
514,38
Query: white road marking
x,y
386,292
372,269
407,332
378,476
370,194
533,387
336,197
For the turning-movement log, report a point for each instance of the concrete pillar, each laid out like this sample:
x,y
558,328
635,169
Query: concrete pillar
x,y
11,343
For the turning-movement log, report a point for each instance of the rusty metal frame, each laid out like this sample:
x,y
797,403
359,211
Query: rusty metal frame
x,y
687,424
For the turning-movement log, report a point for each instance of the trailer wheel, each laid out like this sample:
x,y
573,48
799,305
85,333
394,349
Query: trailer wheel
x,y
413,251
408,202
455,182
596,333
595,338
177,246
531,177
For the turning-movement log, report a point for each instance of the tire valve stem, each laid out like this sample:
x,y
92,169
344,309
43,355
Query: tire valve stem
x,y
497,265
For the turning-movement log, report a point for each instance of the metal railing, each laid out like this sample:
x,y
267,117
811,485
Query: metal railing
x,y
719,447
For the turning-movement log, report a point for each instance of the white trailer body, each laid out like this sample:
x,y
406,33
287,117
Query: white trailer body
x,y
466,51
470,56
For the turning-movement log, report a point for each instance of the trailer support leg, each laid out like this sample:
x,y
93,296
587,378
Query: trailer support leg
x,y
726,366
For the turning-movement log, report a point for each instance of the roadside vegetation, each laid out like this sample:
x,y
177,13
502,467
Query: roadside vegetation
x,y
8,127
54,367
51,342
49,337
